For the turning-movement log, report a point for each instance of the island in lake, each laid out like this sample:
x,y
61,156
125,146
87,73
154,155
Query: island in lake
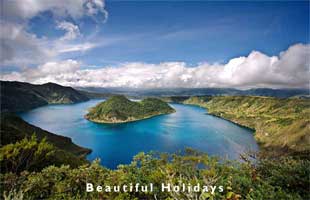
x,y
119,109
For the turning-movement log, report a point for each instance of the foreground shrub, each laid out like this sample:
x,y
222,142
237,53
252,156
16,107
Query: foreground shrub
x,y
265,179
33,155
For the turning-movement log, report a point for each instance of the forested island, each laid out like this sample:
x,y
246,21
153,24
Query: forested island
x,y
119,109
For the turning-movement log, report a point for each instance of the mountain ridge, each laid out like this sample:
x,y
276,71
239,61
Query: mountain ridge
x,y
162,92
20,96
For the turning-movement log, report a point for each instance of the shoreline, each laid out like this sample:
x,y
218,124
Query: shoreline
x,y
236,123
212,114
127,121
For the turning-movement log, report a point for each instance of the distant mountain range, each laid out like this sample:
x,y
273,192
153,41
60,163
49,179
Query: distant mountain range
x,y
280,93
20,96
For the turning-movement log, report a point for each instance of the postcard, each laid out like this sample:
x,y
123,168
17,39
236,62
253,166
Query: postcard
x,y
197,100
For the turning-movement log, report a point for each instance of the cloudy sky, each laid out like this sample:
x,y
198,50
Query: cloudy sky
x,y
145,44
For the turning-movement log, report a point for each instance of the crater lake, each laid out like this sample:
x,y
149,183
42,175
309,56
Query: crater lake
x,y
190,126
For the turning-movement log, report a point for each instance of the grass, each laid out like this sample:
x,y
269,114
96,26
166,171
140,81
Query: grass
x,y
280,124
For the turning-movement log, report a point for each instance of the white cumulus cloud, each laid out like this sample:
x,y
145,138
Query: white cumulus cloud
x,y
48,72
26,9
20,48
72,30
288,70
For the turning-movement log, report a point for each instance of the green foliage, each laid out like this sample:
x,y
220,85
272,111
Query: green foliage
x,y
281,125
18,96
198,100
33,155
264,179
119,109
14,128
287,173
25,155
174,99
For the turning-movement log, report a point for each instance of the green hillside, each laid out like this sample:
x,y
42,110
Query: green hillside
x,y
19,96
198,100
119,109
14,129
280,124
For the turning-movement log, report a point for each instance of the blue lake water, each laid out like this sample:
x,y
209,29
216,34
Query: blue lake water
x,y
189,126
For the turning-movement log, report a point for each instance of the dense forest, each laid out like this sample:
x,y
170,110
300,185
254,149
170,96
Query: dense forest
x,y
119,109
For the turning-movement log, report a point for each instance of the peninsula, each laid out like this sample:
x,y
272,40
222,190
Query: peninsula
x,y
119,109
